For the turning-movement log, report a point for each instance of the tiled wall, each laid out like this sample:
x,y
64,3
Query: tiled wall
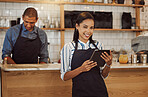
x,y
111,39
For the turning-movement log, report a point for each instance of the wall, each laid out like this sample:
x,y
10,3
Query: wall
x,y
50,12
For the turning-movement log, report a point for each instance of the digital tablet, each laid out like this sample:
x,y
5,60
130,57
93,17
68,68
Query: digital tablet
x,y
96,57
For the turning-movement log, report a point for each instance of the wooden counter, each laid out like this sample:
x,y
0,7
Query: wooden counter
x,y
44,81
128,83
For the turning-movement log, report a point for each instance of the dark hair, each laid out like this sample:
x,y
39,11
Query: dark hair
x,y
30,12
81,17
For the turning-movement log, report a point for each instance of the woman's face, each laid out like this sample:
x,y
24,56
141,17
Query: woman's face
x,y
85,29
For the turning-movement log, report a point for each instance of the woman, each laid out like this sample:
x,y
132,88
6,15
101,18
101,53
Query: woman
x,y
86,75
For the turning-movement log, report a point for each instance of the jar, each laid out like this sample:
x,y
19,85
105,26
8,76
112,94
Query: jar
x,y
71,0
134,58
105,1
123,59
89,1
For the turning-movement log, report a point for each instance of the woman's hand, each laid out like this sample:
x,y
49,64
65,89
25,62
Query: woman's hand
x,y
107,57
88,65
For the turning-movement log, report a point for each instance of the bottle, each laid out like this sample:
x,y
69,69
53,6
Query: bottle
x,y
105,1
89,1
7,23
142,2
52,24
5,61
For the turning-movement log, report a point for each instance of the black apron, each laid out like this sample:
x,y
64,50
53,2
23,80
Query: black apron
x,y
87,84
25,50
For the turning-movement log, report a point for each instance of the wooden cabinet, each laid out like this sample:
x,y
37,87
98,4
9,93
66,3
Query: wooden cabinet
x,y
121,82
35,83
62,3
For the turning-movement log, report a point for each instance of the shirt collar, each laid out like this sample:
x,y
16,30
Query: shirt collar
x,y
87,43
25,30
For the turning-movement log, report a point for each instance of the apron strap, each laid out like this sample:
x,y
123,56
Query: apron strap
x,y
76,47
94,45
20,31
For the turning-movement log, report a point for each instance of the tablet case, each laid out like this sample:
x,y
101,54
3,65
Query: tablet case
x,y
96,57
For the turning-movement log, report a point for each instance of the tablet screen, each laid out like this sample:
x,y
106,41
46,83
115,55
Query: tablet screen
x,y
96,57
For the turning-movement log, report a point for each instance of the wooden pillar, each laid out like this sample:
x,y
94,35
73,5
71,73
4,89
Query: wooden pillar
x,y
137,10
62,24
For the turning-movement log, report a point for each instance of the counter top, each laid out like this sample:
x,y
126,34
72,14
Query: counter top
x,y
25,67
128,66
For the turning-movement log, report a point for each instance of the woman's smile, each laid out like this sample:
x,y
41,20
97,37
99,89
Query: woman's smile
x,y
85,29
87,35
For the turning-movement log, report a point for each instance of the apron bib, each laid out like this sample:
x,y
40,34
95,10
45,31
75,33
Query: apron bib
x,y
26,51
87,84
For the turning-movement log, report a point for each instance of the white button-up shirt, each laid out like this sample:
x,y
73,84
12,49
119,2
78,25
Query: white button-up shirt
x,y
68,51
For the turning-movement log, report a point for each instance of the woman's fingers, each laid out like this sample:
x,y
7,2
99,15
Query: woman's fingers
x,y
93,64
107,58
89,65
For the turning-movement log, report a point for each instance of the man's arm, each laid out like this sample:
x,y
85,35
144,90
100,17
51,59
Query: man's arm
x,y
44,48
7,47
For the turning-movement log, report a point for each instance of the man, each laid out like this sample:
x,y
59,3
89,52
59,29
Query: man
x,y
26,42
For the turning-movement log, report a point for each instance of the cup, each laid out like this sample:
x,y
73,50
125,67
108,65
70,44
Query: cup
x,y
134,58
115,58
143,58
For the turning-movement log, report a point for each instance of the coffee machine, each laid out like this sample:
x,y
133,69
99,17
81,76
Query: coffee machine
x,y
140,46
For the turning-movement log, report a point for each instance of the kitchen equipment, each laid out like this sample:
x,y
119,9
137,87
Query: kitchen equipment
x,y
115,58
140,43
105,1
134,58
128,2
133,1
2,22
114,2
98,1
52,25
78,0
7,23
120,1
142,2
143,58
71,0
141,54
89,1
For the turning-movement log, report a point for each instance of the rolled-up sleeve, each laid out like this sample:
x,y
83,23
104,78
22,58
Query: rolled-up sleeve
x,y
65,60
7,45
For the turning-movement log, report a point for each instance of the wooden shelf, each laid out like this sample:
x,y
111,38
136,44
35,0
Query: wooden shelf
x,y
4,27
136,30
26,1
71,3
102,4
61,4
60,29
